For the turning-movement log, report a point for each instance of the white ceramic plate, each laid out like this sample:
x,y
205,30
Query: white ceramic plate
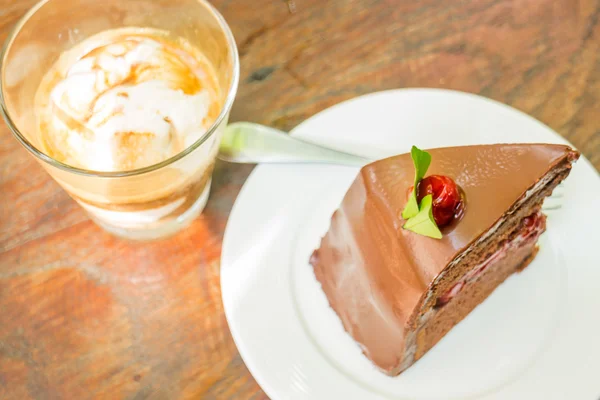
x,y
536,337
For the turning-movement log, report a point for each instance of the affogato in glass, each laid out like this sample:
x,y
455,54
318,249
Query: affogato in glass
x,y
123,103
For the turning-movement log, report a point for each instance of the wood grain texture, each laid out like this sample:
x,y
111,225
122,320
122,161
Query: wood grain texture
x,y
86,316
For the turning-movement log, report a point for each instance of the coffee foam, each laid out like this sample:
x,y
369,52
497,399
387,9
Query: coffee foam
x,y
128,102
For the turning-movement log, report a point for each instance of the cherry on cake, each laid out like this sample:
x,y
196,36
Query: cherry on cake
x,y
421,239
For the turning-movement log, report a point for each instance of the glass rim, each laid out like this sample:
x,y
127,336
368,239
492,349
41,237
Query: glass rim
x,y
231,93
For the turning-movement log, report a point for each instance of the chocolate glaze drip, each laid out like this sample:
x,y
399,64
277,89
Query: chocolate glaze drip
x,y
374,273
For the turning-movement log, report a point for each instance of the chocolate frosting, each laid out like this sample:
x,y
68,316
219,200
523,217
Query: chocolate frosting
x,y
374,272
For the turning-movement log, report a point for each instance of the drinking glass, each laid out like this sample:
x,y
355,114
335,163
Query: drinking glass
x,y
145,203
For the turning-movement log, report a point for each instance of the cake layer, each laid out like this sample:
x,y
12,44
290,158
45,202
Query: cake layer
x,y
479,282
381,279
531,229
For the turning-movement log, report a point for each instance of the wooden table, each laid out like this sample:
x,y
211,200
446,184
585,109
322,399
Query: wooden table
x,y
84,315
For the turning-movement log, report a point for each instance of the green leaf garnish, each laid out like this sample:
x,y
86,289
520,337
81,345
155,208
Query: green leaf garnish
x,y
423,223
419,217
421,160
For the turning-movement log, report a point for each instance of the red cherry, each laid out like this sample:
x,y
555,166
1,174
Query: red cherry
x,y
446,197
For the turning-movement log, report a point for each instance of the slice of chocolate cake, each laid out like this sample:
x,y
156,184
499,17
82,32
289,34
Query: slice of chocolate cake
x,y
398,292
